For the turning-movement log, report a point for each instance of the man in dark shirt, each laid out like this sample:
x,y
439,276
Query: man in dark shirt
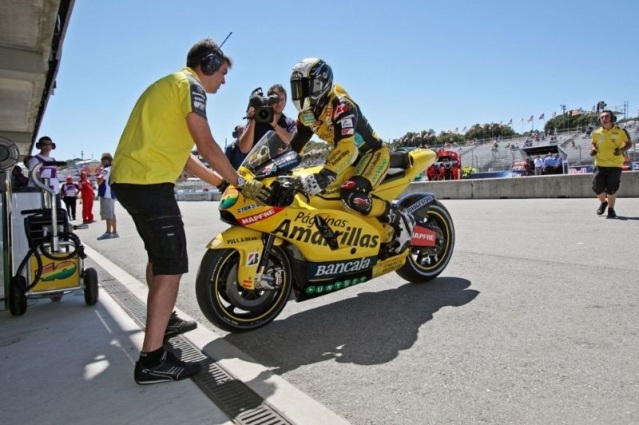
x,y
281,124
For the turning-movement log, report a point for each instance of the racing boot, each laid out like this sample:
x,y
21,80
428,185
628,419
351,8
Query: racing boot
x,y
403,224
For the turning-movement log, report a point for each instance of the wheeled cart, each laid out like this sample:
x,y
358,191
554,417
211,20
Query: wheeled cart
x,y
47,257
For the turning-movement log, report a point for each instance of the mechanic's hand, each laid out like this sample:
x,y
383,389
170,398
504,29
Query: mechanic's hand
x,y
222,186
254,189
593,152
618,151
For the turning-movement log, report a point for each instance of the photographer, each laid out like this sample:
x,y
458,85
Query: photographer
x,y
257,127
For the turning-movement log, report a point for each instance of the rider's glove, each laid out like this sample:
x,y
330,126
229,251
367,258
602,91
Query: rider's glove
x,y
254,189
316,183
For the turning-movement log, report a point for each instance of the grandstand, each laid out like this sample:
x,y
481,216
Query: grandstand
x,y
500,157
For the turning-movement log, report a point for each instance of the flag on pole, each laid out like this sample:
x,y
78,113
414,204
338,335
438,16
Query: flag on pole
x,y
530,119
542,116
510,122
464,129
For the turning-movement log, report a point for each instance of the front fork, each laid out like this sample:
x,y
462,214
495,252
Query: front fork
x,y
265,278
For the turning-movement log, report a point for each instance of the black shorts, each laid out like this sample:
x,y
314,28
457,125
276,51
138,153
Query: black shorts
x,y
157,218
606,179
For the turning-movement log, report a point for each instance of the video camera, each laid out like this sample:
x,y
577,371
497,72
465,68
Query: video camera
x,y
263,105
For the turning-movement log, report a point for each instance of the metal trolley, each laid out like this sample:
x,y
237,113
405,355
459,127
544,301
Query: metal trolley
x,y
52,262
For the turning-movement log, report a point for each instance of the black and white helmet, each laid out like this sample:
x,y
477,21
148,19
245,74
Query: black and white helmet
x,y
311,82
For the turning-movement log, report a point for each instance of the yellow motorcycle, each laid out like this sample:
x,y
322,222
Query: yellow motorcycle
x,y
312,245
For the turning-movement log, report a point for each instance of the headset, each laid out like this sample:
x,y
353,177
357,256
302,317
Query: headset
x,y
613,117
212,62
38,144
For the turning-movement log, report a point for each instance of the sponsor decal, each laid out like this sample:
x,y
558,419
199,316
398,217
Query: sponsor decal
x,y
338,158
269,169
348,132
230,198
253,258
260,216
331,269
248,207
360,201
248,284
340,109
350,236
422,236
419,204
335,286
308,119
392,265
58,271
240,240
346,122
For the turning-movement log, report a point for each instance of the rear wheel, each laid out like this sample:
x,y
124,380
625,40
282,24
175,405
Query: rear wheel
x,y
233,308
424,264
17,297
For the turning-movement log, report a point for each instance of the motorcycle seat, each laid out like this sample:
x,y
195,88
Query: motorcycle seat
x,y
399,159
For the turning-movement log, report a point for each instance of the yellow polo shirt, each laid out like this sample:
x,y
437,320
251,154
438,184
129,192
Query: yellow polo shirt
x,y
155,144
606,142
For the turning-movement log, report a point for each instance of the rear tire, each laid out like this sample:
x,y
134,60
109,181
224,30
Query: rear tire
x,y
17,297
231,307
423,265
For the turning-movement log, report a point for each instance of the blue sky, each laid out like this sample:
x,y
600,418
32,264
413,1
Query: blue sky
x,y
411,65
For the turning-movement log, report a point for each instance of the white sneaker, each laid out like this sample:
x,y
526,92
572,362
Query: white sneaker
x,y
404,223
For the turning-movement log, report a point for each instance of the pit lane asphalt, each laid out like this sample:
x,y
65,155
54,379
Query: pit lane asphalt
x,y
534,321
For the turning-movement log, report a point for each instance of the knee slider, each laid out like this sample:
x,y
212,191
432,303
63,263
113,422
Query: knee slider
x,y
355,194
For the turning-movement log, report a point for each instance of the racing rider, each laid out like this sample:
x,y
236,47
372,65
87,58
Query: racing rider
x,y
325,109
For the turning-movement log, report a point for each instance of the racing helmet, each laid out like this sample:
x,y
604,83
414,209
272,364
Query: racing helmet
x,y
311,82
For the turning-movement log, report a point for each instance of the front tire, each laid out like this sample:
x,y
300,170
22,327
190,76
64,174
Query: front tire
x,y
231,307
90,280
423,265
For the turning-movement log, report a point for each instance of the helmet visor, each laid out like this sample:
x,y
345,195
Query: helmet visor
x,y
300,89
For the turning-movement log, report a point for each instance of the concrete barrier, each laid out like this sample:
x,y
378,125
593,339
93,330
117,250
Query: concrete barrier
x,y
561,186
198,196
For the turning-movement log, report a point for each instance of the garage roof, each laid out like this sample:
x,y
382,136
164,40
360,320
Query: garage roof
x,y
31,36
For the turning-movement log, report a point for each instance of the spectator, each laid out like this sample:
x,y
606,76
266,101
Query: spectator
x,y
70,191
559,164
609,144
549,164
539,165
107,199
232,151
87,195
47,172
18,179
155,147
528,167
282,125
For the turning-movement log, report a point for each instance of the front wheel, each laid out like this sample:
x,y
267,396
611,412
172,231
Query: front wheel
x,y
425,264
233,308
